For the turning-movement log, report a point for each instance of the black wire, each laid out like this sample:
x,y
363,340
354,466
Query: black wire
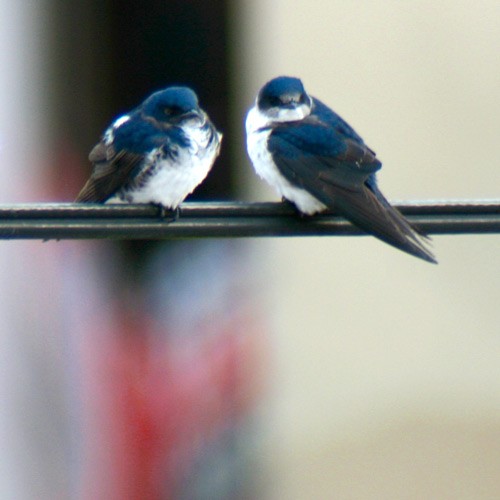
x,y
228,219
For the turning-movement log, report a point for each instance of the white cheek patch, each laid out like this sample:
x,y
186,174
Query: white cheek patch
x,y
256,119
292,115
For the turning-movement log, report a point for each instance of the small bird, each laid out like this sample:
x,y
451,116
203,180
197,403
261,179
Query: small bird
x,y
158,153
315,160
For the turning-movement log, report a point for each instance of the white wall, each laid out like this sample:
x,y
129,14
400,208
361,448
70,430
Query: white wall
x,y
386,372
33,430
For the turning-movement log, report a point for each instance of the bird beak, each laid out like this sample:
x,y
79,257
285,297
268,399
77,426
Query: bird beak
x,y
194,115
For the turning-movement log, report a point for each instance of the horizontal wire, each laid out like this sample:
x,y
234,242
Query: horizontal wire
x,y
228,219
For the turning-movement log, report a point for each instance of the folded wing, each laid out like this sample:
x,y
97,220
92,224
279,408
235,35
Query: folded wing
x,y
112,170
339,170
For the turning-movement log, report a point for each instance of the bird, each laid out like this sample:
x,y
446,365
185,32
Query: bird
x,y
316,161
158,153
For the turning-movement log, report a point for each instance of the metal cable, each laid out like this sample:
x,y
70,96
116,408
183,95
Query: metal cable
x,y
228,219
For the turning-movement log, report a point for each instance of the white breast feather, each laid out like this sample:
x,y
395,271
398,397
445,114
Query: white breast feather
x,y
177,177
266,168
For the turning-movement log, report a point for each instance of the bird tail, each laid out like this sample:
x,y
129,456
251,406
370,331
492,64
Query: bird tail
x,y
368,209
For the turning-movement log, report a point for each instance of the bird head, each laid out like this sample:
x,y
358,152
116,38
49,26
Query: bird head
x,y
284,99
174,105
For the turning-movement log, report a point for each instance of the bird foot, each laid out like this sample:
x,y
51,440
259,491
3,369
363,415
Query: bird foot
x,y
294,207
168,214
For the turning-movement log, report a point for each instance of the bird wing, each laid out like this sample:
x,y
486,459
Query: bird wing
x,y
339,170
118,162
112,170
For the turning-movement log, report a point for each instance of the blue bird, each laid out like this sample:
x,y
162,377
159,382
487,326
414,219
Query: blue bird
x,y
158,153
315,160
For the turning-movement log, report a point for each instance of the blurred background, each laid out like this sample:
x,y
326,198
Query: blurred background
x,y
267,368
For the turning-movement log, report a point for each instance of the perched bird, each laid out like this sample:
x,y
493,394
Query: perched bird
x,y
158,153
315,160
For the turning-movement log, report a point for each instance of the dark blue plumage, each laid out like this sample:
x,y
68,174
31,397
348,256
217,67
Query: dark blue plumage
x,y
317,161
140,136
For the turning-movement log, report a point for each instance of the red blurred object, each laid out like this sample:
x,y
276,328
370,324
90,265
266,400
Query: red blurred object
x,y
164,405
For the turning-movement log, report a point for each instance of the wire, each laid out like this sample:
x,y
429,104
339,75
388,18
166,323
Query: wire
x,y
228,219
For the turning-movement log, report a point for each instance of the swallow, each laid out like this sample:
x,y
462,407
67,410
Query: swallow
x,y
158,153
315,160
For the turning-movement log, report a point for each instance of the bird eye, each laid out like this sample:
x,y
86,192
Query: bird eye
x,y
172,110
272,101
